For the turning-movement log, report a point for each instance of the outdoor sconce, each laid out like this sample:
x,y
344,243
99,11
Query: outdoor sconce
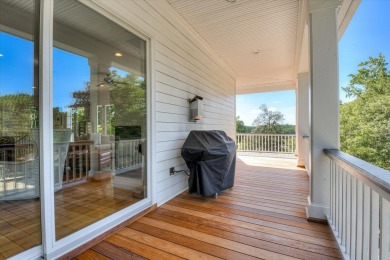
x,y
196,108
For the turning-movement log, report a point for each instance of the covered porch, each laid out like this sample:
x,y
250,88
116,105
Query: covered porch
x,y
262,216
180,49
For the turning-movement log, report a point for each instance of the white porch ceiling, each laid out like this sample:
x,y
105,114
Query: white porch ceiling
x,y
236,30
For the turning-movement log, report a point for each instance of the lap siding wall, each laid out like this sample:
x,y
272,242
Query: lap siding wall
x,y
183,66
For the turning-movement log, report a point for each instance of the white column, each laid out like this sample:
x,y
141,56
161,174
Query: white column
x,y
302,127
324,101
99,91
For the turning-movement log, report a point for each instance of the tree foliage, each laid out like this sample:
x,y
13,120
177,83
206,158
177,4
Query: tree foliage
x,y
268,121
82,101
128,96
240,126
16,111
365,121
287,129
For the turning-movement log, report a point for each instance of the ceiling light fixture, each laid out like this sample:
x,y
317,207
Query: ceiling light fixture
x,y
231,1
118,54
255,51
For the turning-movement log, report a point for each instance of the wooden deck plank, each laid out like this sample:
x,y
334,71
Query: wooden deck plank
x,y
255,227
165,245
256,221
261,217
138,248
266,211
91,255
189,242
270,243
111,251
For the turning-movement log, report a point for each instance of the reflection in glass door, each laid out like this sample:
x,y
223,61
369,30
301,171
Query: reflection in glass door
x,y
99,115
19,139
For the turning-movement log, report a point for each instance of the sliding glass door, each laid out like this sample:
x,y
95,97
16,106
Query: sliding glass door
x,y
99,115
20,220
96,159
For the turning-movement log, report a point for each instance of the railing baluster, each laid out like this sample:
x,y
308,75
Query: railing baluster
x,y
67,164
333,197
73,164
344,209
347,222
374,238
87,162
262,143
340,230
337,211
81,158
269,143
385,229
122,155
366,221
359,223
352,245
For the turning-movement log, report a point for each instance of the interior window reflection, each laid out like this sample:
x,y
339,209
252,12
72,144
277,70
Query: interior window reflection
x,y
99,115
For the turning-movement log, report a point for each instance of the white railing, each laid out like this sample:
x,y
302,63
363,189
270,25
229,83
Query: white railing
x,y
128,154
268,143
19,178
78,162
359,207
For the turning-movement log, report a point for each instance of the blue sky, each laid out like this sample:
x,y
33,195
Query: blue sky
x,y
16,59
16,70
283,101
367,35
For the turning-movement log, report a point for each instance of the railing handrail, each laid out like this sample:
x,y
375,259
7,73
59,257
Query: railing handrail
x,y
374,176
265,134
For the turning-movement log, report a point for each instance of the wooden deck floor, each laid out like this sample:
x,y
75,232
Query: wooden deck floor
x,y
261,217
76,207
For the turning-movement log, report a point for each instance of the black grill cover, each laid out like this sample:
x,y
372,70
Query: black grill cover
x,y
211,158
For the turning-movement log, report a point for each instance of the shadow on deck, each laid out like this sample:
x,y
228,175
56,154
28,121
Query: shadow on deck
x,y
262,216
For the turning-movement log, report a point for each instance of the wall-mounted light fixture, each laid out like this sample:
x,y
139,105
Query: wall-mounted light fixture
x,y
196,108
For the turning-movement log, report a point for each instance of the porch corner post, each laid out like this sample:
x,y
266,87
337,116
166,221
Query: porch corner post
x,y
302,127
324,101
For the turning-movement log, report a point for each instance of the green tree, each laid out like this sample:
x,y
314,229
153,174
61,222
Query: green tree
x,y
287,129
268,121
128,99
240,126
82,102
365,121
16,114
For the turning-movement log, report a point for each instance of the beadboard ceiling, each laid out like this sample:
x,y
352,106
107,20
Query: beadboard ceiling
x,y
238,30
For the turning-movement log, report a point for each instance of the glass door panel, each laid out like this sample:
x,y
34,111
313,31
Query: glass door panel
x,y
99,97
20,227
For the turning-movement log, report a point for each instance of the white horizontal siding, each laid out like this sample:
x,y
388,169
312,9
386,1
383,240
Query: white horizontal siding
x,y
183,67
